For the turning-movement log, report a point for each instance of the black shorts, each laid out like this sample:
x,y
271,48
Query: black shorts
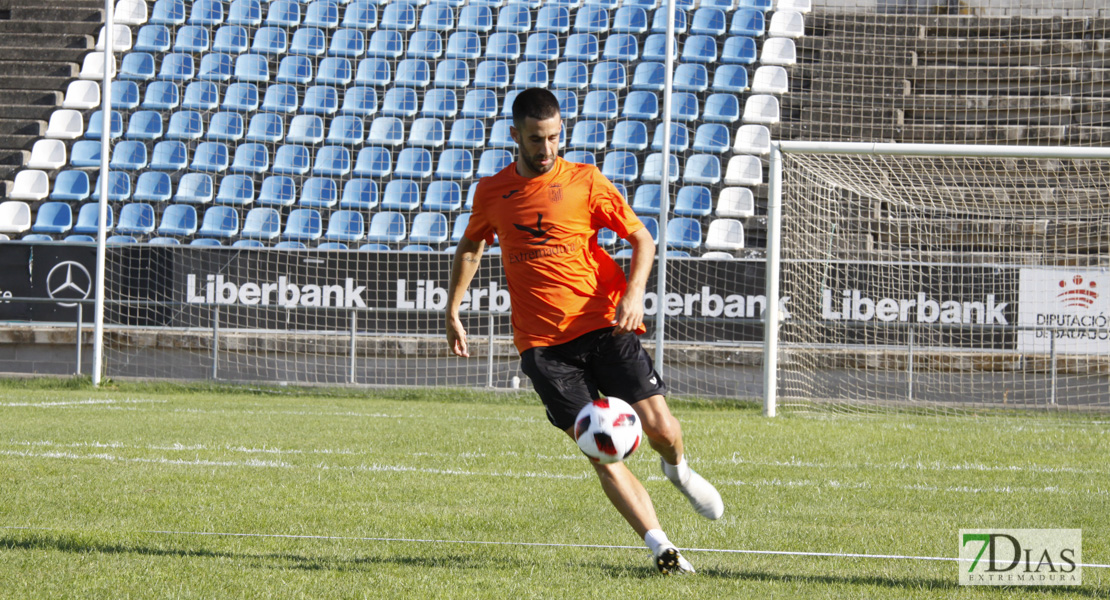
x,y
573,374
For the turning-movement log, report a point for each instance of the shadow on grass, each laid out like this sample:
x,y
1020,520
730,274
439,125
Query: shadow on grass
x,y
480,560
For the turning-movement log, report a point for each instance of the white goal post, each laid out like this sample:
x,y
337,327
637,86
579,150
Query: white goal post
x,y
937,276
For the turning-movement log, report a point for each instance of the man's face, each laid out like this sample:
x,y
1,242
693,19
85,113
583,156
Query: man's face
x,y
537,145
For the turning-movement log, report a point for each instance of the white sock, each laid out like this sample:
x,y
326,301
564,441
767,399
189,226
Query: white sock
x,y
656,540
677,473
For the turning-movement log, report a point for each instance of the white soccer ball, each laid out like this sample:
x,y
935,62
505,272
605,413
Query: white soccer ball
x,y
607,430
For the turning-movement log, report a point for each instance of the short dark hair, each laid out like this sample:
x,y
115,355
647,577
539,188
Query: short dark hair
x,y
536,103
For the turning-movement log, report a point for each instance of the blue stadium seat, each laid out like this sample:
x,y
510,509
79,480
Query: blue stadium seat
x,y
659,21
492,161
177,67
244,12
211,157
135,218
376,247
648,199
609,76
163,241
630,135
319,192
241,97
699,49
622,47
413,73
580,156
492,74
414,163
437,16
399,15
261,224
620,165
346,130
125,95
684,106
168,12
452,73
277,191
169,156
601,105
691,77
290,245
630,19
641,105
225,127
606,237
568,103
88,219
137,65
280,98
467,133
284,13
552,18
541,46
499,136
244,243
386,131
153,186
507,102
649,76
332,161
503,45
359,194
425,44
251,158
455,163
653,168
655,48
85,153
571,75
119,187
252,67
475,17
192,38
374,72
216,67
302,225
386,43
708,20
588,135
265,127
321,13
178,220
481,104
209,242
464,45
308,41
129,155
693,201
334,70
361,14
236,189
71,185
530,74
320,100
350,43
730,78
373,161
96,124
291,159
346,226
387,227
207,12
703,169
739,50
429,228
591,19
514,18
360,100
651,224
194,189
144,125
219,222
428,132
400,102
199,95
684,232
417,248
459,227
583,47
444,196
747,22
722,108
725,5
152,38
712,138
441,103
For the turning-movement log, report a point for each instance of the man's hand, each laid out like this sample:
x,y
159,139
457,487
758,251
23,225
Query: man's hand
x,y
456,337
630,313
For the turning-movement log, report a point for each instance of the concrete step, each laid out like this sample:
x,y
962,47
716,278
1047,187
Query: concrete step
x,y
30,97
21,127
49,27
22,83
39,68
72,55
46,40
19,142
27,112
11,157
934,133
70,11
962,26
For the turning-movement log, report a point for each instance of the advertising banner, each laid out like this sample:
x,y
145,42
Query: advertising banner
x,y
63,272
1070,305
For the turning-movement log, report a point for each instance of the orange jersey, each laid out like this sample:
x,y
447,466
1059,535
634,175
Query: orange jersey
x,y
561,283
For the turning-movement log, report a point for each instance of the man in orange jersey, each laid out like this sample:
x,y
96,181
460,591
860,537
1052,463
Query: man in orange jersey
x,y
574,315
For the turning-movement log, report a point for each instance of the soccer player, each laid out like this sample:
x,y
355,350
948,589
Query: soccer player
x,y
575,316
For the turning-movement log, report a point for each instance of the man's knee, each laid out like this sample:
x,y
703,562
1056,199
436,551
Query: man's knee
x,y
658,423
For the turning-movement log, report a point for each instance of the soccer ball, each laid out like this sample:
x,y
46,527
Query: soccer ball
x,y
607,430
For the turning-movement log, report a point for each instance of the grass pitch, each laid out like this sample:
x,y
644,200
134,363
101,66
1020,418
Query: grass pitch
x,y
115,493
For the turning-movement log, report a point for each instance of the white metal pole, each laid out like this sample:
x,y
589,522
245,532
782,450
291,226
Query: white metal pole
x,y
664,189
943,149
102,225
774,266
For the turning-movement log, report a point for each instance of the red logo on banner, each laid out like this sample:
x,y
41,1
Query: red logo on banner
x,y
1077,292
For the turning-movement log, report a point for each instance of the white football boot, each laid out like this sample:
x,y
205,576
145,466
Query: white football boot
x,y
705,498
670,562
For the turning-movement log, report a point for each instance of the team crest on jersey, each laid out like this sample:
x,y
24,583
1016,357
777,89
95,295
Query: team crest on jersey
x,y
555,193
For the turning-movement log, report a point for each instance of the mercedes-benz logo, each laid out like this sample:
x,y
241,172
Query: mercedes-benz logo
x,y
69,280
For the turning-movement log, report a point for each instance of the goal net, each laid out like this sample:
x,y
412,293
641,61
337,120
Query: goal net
x,y
944,282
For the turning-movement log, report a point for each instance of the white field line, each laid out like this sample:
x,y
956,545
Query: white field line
x,y
339,538
76,403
